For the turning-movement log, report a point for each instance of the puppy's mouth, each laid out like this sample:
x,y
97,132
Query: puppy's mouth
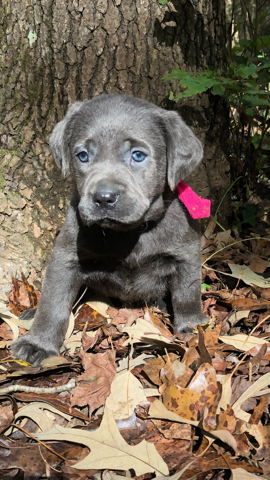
x,y
123,216
112,223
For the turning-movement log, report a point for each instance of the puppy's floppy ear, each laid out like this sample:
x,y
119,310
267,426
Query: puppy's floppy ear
x,y
58,142
184,150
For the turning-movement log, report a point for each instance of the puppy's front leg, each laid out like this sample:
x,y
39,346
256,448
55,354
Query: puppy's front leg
x,y
60,288
185,287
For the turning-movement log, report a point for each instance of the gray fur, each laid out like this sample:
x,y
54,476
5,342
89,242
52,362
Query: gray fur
x,y
142,243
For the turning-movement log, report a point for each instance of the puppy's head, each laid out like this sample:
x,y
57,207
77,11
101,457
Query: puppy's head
x,y
122,152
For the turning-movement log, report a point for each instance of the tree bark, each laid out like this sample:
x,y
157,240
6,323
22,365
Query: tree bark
x,y
57,51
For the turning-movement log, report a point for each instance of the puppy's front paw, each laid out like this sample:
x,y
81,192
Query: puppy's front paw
x,y
183,323
32,351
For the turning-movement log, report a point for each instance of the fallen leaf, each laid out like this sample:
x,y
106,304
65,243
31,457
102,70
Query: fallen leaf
x,y
125,363
244,273
126,392
227,420
243,342
226,393
6,417
226,437
252,391
158,410
262,435
257,264
109,450
53,361
259,410
221,239
190,402
143,331
241,474
175,430
94,385
235,317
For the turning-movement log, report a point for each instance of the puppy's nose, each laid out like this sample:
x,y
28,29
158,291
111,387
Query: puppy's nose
x,y
105,198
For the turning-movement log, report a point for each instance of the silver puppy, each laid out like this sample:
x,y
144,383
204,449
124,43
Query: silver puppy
x,y
126,233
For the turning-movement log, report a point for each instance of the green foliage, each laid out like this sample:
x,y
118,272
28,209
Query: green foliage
x,y
249,214
205,287
245,86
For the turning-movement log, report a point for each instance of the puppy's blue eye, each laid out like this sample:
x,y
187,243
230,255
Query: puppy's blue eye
x,y
138,156
83,156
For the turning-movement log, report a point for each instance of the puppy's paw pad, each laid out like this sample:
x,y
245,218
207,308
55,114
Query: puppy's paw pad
x,y
27,351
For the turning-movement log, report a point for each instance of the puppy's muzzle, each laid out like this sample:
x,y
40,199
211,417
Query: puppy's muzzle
x,y
106,197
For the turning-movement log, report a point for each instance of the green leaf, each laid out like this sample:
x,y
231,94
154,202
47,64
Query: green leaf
x,y
177,74
246,71
250,111
256,140
205,286
218,89
249,214
164,2
171,97
196,85
254,100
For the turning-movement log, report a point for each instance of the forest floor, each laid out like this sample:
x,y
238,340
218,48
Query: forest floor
x,y
131,397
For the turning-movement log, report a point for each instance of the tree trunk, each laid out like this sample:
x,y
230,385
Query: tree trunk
x,y
57,51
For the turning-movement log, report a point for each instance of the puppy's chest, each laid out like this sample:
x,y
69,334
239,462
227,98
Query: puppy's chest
x,y
126,266
131,279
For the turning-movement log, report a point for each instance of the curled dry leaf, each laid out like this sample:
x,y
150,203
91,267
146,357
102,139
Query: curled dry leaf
x,y
262,435
126,363
36,412
94,385
143,331
190,402
243,342
109,450
252,391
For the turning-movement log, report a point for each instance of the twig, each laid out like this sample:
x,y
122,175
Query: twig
x,y
24,388
40,442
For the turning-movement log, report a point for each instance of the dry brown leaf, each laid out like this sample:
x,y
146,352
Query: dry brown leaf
x,y
94,385
158,410
243,342
175,430
235,316
126,392
241,474
257,264
190,402
248,276
143,331
262,435
109,450
226,393
6,417
226,437
14,328
126,363
227,420
53,361
252,391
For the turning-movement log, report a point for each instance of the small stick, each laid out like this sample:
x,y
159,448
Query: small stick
x,y
25,388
